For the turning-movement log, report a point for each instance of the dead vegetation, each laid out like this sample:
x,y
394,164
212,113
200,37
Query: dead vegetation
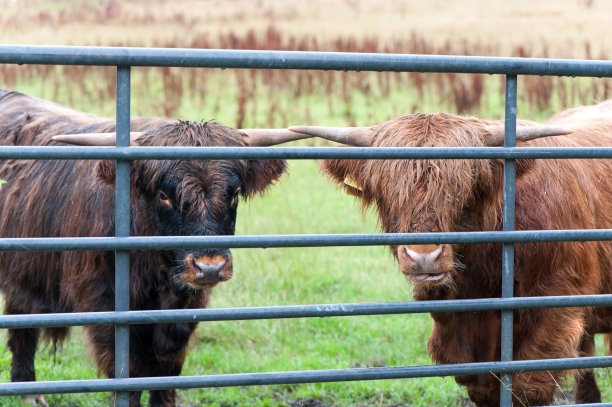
x,y
230,25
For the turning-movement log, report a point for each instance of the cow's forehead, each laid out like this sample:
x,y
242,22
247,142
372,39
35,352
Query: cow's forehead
x,y
425,191
196,174
208,173
184,133
430,130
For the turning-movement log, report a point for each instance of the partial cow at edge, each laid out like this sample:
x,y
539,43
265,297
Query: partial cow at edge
x,y
467,195
70,198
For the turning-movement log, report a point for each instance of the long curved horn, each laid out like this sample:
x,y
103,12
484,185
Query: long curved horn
x,y
270,137
94,139
523,133
354,136
255,137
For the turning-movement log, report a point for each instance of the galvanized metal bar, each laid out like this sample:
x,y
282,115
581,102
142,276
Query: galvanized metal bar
x,y
122,229
298,311
507,290
297,153
217,58
315,240
586,405
293,377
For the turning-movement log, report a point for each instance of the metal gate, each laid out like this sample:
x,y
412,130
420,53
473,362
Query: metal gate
x,y
124,58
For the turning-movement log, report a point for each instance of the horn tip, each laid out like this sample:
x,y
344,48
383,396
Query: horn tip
x,y
297,129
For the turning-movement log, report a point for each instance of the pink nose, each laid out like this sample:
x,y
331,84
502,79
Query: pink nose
x,y
424,258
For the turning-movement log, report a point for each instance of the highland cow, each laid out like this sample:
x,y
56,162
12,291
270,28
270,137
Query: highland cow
x,y
418,195
64,198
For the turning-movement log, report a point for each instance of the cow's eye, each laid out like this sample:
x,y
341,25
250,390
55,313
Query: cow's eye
x,y
164,199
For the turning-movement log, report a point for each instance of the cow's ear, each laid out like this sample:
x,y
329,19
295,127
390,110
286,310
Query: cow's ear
x,y
493,189
348,173
260,174
105,171
523,166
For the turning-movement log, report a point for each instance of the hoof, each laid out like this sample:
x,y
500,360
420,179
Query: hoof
x,y
34,401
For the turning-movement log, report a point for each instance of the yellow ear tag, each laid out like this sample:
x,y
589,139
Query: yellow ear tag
x,y
351,187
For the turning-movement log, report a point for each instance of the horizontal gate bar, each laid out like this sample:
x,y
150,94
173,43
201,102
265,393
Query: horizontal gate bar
x,y
307,240
298,311
585,405
310,376
141,153
346,61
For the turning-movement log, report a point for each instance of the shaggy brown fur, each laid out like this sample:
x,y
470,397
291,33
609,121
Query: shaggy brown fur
x,y
76,198
466,195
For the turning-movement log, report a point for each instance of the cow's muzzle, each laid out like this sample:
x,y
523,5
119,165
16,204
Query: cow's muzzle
x,y
206,271
426,264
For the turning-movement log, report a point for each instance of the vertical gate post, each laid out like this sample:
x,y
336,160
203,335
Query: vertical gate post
x,y
508,248
122,229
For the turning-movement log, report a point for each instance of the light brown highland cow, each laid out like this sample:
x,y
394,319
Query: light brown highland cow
x,y
466,195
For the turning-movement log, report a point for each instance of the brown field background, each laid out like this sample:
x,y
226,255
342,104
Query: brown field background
x,y
559,29
577,29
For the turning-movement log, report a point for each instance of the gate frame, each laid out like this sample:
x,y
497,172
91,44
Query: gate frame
x,y
124,58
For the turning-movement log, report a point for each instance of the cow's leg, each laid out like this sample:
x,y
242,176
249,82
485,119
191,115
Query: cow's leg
x,y
482,389
587,390
22,343
162,398
170,367
102,338
549,334
169,347
134,399
147,357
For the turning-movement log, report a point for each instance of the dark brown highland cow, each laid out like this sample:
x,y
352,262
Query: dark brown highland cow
x,y
59,198
466,195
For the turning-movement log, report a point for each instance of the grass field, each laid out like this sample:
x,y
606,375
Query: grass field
x,y
304,202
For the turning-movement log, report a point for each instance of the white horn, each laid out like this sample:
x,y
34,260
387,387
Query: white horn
x,y
255,137
523,133
354,136
94,139
269,137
